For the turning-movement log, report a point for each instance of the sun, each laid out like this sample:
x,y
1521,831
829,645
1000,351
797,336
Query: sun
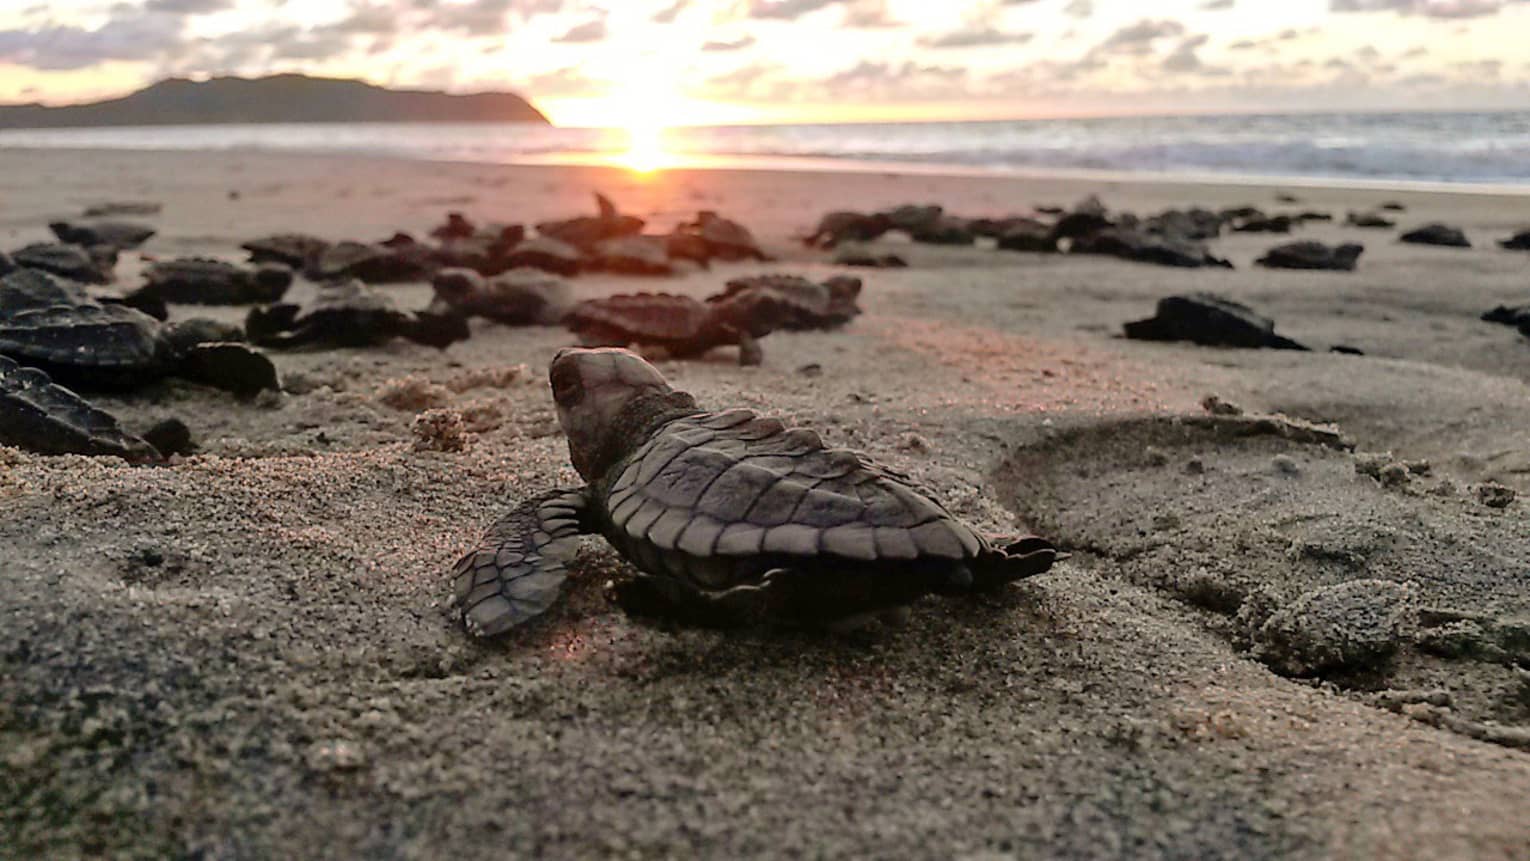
x,y
644,105
645,149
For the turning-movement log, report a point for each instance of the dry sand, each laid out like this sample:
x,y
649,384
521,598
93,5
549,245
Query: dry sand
x,y
245,655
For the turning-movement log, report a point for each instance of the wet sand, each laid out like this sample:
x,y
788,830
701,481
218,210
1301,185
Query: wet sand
x,y
247,654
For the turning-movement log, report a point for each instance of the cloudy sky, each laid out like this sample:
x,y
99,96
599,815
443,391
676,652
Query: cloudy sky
x,y
615,62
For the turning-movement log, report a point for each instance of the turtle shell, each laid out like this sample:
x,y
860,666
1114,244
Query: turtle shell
x,y
711,490
67,261
727,239
39,416
1209,319
805,304
547,254
118,234
197,280
1312,255
296,250
640,317
29,290
85,338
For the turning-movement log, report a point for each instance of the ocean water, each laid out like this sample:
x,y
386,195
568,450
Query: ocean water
x,y
1478,149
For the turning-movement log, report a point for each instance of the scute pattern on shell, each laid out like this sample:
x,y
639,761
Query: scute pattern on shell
x,y
735,484
117,336
642,316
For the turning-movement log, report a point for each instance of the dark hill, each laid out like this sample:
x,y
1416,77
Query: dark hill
x,y
275,99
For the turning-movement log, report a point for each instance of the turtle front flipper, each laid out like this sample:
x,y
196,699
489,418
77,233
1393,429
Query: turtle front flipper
x,y
517,571
1027,557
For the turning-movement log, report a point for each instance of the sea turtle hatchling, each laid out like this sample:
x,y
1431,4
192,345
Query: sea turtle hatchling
x,y
731,517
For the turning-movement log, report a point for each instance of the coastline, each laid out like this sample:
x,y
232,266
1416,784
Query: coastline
x,y
285,676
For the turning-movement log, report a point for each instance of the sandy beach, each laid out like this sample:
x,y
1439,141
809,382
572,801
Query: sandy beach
x,y
247,654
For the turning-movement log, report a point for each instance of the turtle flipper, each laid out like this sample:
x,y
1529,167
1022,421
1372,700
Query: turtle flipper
x,y
1015,561
517,570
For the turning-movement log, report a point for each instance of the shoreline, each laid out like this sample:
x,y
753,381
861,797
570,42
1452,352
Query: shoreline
x,y
831,165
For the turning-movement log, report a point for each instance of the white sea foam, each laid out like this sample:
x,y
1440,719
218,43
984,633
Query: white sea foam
x,y
1452,148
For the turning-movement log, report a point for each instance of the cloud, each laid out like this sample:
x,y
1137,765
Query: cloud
x,y
906,81
786,10
593,30
126,36
1426,8
1079,8
735,45
668,14
974,37
1217,5
1184,58
187,7
1139,38
563,82
869,14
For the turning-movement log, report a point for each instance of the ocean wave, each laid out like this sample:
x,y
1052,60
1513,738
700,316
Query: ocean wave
x,y
1484,148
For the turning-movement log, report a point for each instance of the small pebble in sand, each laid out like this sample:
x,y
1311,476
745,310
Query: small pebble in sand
x,y
1195,466
501,377
439,430
1156,457
1494,495
269,399
1285,465
1444,487
811,370
335,755
1218,407
413,394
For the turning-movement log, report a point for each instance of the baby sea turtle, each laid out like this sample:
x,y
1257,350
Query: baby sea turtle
x,y
807,304
1437,234
55,327
725,239
294,250
1210,320
730,517
1369,220
546,254
200,281
1027,235
116,234
681,326
1131,244
634,255
40,416
350,314
374,263
520,297
848,226
1313,255
585,232
1518,242
90,266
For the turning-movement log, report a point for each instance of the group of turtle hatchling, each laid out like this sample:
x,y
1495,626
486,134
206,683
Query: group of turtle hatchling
x,y
52,333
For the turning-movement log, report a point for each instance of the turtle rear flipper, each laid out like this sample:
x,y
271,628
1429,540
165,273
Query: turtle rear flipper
x,y
517,571
1018,560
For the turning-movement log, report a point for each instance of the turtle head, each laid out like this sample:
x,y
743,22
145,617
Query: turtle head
x,y
607,401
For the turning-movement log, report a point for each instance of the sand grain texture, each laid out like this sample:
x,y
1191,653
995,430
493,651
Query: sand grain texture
x,y
246,654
